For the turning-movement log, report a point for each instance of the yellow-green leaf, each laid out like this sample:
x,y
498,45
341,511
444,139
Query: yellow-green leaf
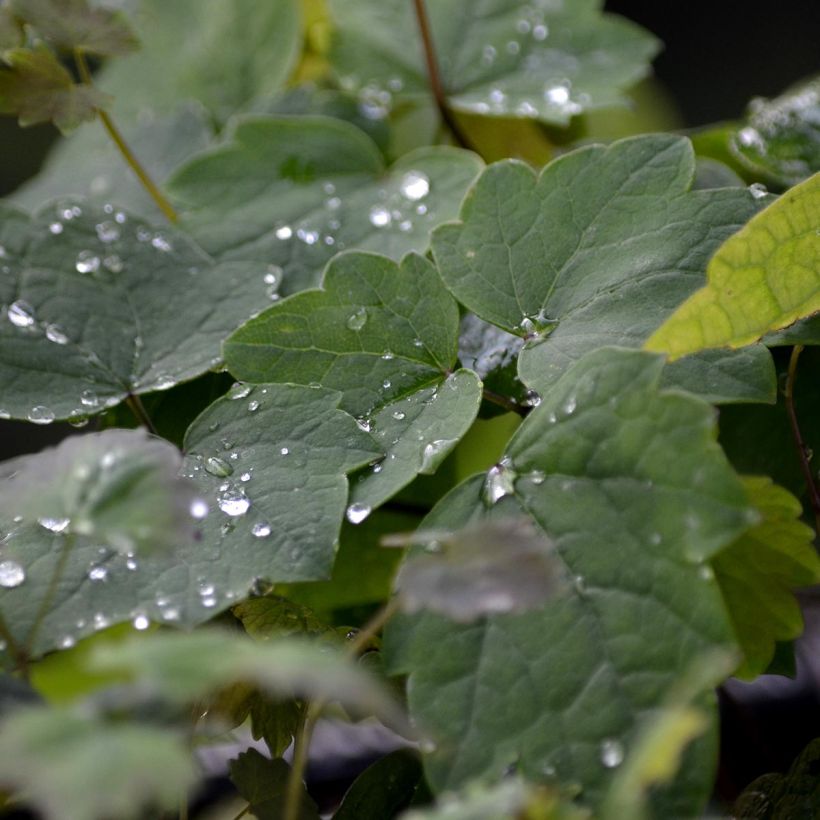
x,y
758,572
763,278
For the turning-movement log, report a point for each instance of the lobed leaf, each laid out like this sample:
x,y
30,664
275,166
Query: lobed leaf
x,y
97,305
758,572
385,335
763,278
293,191
498,58
629,484
36,88
597,250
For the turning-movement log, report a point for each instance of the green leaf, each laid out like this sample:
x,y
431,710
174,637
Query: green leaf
x,y
780,140
222,54
758,572
182,667
275,617
597,250
119,488
506,58
385,335
263,783
794,794
763,278
74,24
495,567
383,789
89,165
281,523
631,487
38,89
71,765
99,305
293,191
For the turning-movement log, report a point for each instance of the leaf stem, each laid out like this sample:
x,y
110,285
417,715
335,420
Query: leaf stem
x,y
136,406
301,743
434,74
45,604
506,403
243,812
802,451
128,155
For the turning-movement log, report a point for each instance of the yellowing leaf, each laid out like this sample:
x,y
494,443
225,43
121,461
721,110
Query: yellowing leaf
x,y
759,570
763,278
38,89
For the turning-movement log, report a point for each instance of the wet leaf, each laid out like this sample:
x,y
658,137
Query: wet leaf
x,y
495,567
275,617
758,573
540,59
74,24
119,488
599,249
600,467
294,191
386,336
780,139
98,305
382,789
268,515
263,783
763,278
36,88
72,765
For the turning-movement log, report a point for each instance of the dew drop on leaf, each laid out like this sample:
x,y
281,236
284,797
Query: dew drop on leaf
x,y
499,482
21,314
239,390
11,574
380,217
233,502
612,753
141,622
356,513
87,262
198,509
40,414
88,398
107,231
97,574
261,529
54,333
357,320
415,185
54,524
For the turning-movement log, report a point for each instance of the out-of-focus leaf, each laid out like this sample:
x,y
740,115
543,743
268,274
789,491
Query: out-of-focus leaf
x,y
36,88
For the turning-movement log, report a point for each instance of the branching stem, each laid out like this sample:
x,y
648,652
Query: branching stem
x,y
301,744
803,452
128,155
435,76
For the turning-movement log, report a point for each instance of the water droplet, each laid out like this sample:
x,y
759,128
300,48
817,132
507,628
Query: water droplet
x,y
107,231
11,574
706,573
97,574
758,190
358,319
198,509
557,95
500,481
218,467
54,333
88,398
160,243
113,263
356,513
163,382
537,477
273,276
387,384
398,415
233,502
56,228
87,262
239,390
364,425
141,622
570,405
612,753
284,232
100,621
170,613
380,217
415,185
261,529
131,563
309,237
66,642
284,451
40,415
21,314
540,32
54,524
253,406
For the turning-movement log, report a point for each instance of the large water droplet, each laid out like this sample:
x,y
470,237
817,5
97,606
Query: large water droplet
x,y
239,390
218,467
141,622
11,574
357,319
40,415
87,262
500,481
21,314
356,513
284,232
612,753
233,502
54,524
380,217
415,185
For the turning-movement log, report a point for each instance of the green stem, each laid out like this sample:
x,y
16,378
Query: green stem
x,y
802,450
506,403
136,406
301,744
45,604
243,812
434,75
128,155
